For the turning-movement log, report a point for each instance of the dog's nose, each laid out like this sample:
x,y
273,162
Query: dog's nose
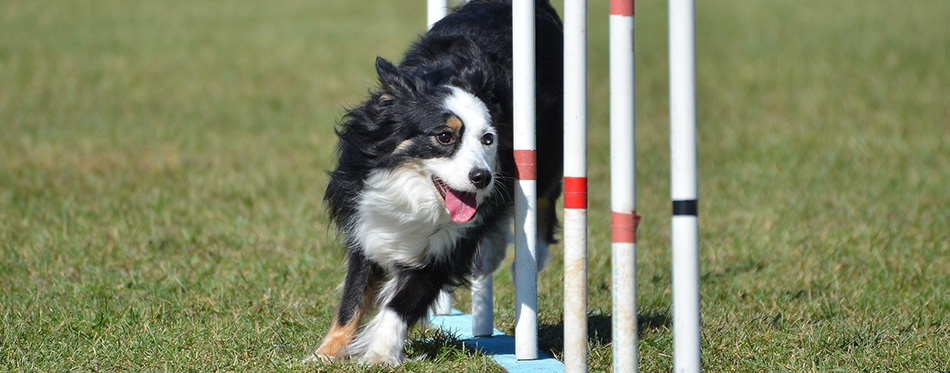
x,y
480,177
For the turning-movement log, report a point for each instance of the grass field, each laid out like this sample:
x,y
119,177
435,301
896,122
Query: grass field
x,y
162,167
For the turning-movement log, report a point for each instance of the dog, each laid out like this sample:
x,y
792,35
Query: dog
x,y
422,194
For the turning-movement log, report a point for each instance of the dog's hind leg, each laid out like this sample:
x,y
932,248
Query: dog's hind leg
x,y
492,246
547,227
362,281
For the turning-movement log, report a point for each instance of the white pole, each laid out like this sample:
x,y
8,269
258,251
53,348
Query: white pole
x,y
526,274
443,304
623,203
683,187
436,10
483,317
575,185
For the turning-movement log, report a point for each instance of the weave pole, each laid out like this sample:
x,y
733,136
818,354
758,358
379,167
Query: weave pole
x,y
575,185
683,187
525,154
436,10
623,205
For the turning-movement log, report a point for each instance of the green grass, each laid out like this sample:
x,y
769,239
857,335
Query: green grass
x,y
162,167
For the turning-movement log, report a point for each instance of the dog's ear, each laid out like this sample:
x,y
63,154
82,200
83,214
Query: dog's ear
x,y
391,81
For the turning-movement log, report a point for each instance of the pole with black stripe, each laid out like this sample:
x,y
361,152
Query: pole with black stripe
x,y
683,187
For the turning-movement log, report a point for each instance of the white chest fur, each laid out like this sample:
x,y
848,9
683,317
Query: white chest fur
x,y
401,219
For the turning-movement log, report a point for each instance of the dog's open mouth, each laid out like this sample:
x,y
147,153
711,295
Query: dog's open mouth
x,y
461,205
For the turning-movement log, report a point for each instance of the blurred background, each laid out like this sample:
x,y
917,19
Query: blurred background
x,y
162,166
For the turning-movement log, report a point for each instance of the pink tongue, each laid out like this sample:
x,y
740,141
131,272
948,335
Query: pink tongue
x,y
461,205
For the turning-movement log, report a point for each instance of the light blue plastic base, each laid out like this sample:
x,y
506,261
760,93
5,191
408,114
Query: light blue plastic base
x,y
499,346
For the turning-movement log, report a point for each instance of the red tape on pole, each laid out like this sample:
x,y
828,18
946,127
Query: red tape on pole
x,y
526,164
623,227
621,7
575,192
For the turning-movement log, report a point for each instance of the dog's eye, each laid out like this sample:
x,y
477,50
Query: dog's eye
x,y
488,139
445,138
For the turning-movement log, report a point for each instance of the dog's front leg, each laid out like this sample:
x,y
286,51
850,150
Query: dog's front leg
x,y
362,280
407,298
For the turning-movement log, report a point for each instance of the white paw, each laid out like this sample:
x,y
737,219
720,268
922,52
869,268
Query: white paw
x,y
383,358
383,339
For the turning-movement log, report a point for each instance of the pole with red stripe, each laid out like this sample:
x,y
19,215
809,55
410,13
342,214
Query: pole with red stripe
x,y
624,218
526,209
575,185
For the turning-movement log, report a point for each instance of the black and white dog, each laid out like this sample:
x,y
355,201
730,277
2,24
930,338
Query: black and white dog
x,y
422,193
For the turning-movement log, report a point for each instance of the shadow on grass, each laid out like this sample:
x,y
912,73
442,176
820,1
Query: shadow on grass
x,y
431,344
551,336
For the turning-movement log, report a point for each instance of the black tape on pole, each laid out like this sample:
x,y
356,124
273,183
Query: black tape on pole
x,y
685,208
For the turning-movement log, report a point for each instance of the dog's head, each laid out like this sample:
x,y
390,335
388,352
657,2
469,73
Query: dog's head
x,y
432,125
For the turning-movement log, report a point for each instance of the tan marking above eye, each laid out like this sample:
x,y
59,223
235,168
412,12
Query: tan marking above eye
x,y
454,123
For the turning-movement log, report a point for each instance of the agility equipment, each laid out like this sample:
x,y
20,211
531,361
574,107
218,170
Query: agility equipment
x,y
624,217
